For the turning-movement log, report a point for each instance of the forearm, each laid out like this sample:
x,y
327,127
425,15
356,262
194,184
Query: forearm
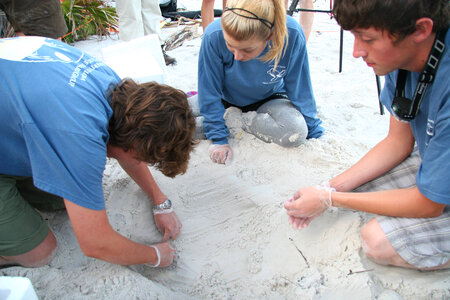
x,y
141,174
387,154
115,248
98,239
408,203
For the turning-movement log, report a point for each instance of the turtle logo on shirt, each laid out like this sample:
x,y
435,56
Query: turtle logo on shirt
x,y
38,49
275,75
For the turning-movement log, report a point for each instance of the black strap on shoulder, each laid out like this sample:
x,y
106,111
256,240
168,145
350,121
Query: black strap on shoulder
x,y
426,76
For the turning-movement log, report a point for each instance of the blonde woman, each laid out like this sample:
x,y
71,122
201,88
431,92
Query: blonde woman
x,y
255,58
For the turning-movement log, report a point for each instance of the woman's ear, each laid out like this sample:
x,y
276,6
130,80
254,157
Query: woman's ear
x,y
424,28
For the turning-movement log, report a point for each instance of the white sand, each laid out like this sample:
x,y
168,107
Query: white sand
x,y
236,242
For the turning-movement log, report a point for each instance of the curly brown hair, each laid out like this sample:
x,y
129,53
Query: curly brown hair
x,y
156,121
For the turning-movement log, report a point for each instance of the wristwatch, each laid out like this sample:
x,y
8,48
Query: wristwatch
x,y
166,205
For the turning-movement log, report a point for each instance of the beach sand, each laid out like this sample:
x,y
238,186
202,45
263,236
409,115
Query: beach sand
x,y
236,242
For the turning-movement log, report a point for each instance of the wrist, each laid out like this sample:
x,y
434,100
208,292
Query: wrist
x,y
157,260
163,208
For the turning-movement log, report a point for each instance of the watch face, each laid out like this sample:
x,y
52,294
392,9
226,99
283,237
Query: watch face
x,y
165,205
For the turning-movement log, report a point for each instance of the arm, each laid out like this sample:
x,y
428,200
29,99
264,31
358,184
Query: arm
x,y
387,154
97,239
298,83
312,201
168,224
210,85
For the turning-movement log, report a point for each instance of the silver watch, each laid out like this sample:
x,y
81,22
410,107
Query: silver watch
x,y
166,205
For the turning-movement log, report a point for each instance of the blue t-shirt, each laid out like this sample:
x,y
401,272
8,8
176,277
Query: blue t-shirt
x,y
54,117
220,76
431,128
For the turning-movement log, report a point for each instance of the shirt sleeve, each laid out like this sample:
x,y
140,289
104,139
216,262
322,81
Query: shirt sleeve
x,y
298,84
434,171
210,85
68,165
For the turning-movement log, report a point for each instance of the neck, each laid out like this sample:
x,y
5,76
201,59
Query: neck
x,y
422,54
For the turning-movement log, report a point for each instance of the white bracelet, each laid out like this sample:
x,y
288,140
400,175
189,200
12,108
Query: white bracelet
x,y
162,211
159,258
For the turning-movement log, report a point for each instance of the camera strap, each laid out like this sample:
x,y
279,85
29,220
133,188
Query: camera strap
x,y
426,76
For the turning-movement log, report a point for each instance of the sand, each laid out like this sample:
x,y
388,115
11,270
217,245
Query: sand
x,y
236,242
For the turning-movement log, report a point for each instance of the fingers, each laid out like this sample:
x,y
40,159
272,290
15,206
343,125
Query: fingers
x,y
166,235
220,153
167,254
169,225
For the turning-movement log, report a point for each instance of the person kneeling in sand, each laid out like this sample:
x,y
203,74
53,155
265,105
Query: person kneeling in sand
x,y
62,113
408,188
255,58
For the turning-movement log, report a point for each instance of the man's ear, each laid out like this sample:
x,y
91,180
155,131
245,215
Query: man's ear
x,y
424,28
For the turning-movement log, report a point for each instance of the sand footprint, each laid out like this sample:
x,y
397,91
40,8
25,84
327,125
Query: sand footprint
x,y
255,261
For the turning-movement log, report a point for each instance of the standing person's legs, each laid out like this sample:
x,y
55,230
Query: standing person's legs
x,y
207,12
306,19
25,238
419,243
151,16
130,19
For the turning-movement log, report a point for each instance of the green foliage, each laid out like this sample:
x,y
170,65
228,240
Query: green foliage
x,y
88,17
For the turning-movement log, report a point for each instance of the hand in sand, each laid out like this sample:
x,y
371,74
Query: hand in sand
x,y
168,224
309,202
220,154
165,255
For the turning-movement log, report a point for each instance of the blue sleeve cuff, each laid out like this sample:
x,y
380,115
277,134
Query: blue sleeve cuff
x,y
316,132
223,141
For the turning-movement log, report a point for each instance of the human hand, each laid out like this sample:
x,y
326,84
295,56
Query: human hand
x,y
309,202
300,223
168,224
165,255
220,153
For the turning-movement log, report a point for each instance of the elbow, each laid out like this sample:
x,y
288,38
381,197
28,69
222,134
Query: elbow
x,y
92,250
433,210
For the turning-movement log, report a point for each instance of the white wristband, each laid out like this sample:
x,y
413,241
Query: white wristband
x,y
159,258
162,211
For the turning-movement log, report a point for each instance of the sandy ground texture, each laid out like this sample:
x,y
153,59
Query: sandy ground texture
x,y
236,242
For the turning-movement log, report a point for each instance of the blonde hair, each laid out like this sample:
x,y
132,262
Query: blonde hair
x,y
262,19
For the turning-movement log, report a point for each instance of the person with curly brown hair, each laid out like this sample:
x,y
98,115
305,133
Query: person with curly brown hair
x,y
62,114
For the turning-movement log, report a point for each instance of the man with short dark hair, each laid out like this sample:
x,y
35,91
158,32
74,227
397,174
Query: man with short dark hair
x,y
405,177
62,112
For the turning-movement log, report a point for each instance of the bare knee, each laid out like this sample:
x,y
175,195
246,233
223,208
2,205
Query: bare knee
x,y
375,243
37,257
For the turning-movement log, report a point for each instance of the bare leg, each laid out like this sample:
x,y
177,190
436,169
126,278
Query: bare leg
x,y
39,256
378,248
207,13
306,18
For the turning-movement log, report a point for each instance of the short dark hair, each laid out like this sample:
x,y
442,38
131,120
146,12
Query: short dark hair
x,y
156,121
397,17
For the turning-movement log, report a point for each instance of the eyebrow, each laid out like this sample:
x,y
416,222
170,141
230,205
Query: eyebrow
x,y
251,47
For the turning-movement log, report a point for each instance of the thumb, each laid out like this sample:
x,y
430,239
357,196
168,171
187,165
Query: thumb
x,y
166,235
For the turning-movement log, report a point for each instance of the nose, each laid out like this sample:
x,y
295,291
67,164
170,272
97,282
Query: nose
x,y
238,55
358,49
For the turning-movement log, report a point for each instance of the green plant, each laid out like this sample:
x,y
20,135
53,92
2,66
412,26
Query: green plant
x,y
88,17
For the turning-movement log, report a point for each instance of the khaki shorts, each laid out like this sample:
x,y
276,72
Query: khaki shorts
x,y
36,17
22,227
